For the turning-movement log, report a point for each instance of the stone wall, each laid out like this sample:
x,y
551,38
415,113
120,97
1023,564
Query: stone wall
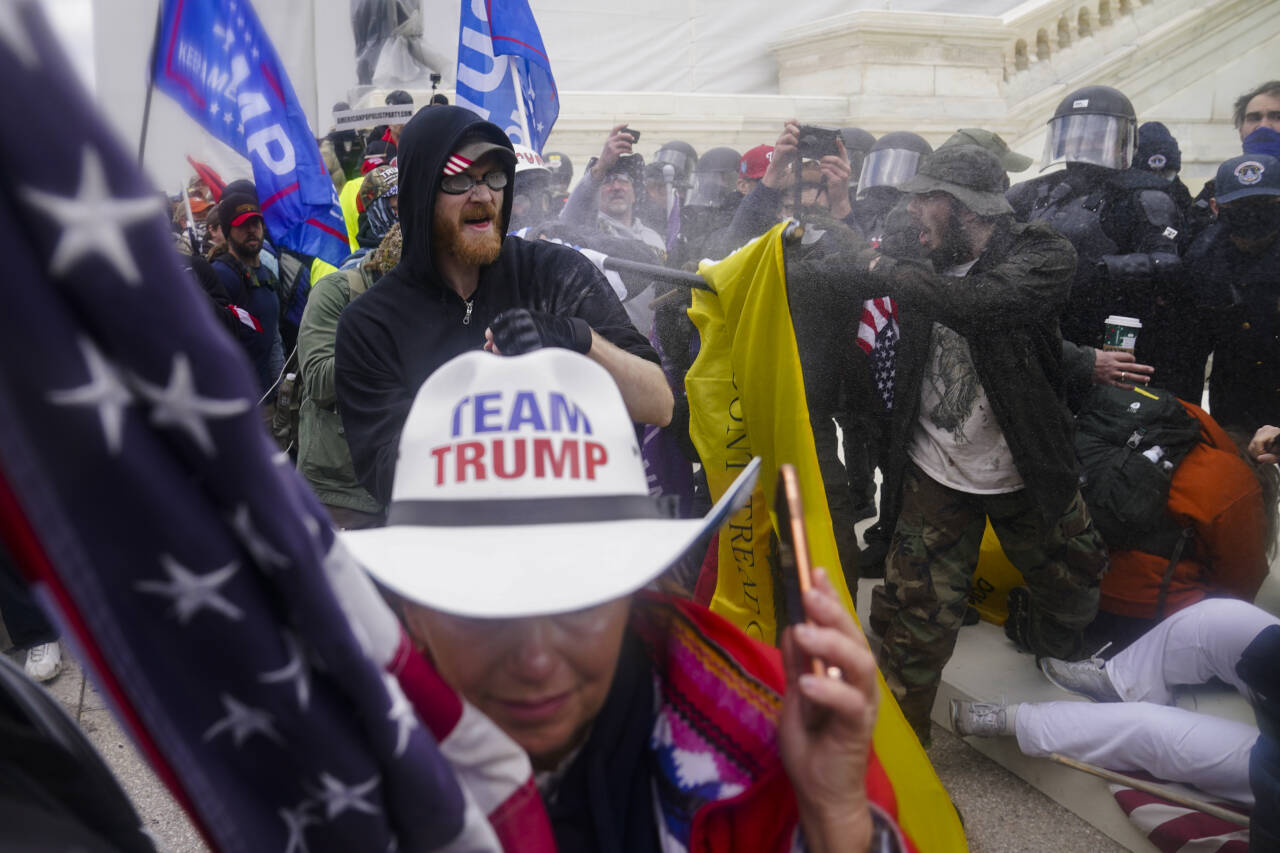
x,y
1181,61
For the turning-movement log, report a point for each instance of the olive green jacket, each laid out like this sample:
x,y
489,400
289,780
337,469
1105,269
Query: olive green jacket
x,y
323,456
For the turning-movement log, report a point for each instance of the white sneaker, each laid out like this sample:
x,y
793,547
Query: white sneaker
x,y
44,661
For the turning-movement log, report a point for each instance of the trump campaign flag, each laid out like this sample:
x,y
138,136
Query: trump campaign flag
x,y
746,399
504,75
214,58
238,642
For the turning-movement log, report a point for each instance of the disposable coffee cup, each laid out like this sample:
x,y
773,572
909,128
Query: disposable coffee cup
x,y
1121,333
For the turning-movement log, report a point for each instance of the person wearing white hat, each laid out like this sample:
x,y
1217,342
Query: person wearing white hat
x,y
520,540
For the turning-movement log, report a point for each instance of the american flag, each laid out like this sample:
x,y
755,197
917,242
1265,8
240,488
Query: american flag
x,y
243,649
1175,828
878,338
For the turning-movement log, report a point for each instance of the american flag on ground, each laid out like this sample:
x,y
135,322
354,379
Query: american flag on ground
x,y
240,645
1175,828
878,338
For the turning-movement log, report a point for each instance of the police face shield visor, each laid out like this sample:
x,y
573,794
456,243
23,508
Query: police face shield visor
x,y
888,167
711,189
678,160
1102,140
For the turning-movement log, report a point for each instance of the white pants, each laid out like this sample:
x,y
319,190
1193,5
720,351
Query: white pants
x,y
1190,647
1169,743
1141,733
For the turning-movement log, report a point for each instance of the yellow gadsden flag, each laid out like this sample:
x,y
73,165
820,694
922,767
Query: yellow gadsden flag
x,y
746,398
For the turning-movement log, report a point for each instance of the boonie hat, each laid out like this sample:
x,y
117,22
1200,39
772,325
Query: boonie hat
x,y
1011,160
972,174
1250,174
239,204
520,491
755,162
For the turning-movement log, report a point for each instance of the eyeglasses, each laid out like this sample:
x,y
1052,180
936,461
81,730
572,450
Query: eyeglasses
x,y
462,182
618,178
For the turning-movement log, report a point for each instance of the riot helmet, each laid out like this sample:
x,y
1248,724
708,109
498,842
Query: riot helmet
x,y
682,158
1094,125
715,181
857,144
561,169
893,159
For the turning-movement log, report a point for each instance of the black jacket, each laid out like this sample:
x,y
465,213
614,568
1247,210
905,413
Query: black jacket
x,y
410,323
1125,227
1237,312
1007,308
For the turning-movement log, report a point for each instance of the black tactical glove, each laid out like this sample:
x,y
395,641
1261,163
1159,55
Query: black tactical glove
x,y
520,330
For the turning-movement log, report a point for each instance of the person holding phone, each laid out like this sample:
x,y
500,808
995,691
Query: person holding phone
x,y
649,722
605,198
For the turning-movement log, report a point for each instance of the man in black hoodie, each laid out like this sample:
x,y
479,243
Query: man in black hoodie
x,y
461,284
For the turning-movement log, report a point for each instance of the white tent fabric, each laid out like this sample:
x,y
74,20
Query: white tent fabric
x,y
698,46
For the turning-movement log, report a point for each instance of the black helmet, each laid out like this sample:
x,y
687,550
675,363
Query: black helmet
x,y
561,168
716,177
682,157
856,139
857,143
1095,125
893,158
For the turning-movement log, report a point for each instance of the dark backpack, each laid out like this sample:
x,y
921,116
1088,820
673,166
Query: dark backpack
x,y
1129,443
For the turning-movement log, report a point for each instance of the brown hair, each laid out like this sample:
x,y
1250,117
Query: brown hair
x,y
1271,87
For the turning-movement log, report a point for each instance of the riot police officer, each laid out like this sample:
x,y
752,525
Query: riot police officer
x,y
712,202
892,160
1124,226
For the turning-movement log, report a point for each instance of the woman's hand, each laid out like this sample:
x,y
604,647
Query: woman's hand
x,y
827,720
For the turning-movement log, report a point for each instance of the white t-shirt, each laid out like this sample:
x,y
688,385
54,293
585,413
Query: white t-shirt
x,y
957,440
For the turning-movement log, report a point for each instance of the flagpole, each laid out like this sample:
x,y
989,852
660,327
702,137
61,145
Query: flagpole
x,y
524,119
151,82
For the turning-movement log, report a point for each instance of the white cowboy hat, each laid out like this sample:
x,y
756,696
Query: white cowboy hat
x,y
520,491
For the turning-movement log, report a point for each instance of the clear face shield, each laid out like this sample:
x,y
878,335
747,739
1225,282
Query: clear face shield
x,y
678,160
712,189
888,167
1103,140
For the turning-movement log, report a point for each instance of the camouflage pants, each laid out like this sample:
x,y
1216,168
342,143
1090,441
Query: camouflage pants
x,y
931,564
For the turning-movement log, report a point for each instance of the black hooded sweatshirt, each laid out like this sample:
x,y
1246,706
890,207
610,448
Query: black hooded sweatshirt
x,y
410,323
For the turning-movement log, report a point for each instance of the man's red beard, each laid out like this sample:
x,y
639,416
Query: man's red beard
x,y
475,248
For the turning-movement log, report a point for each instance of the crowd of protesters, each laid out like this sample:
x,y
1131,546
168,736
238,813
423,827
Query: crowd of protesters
x,y
960,331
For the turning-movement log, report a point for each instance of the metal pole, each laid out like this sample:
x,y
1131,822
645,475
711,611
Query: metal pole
x,y
151,83
1155,790
680,277
791,234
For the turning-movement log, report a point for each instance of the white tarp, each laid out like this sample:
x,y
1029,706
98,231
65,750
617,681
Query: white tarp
x,y
703,46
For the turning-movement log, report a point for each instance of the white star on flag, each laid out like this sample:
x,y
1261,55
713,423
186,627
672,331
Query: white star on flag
x,y
14,33
227,117
295,670
93,221
225,34
243,722
178,405
259,548
213,108
297,821
104,390
401,713
191,592
338,798
254,51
